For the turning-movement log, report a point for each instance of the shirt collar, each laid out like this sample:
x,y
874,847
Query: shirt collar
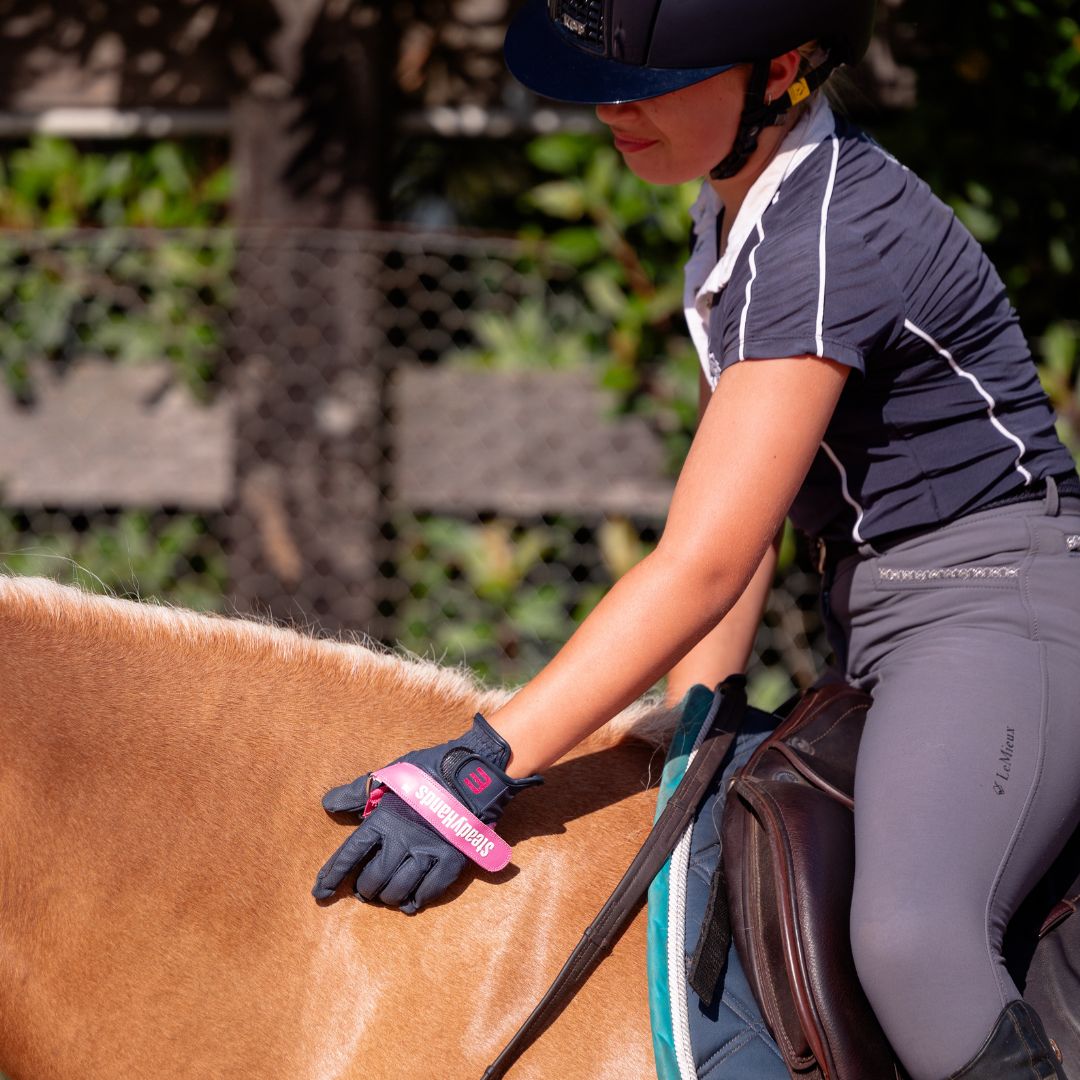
x,y
704,274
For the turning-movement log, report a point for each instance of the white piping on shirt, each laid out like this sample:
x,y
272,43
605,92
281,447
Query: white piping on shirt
x,y
855,534
749,286
705,275
819,328
991,404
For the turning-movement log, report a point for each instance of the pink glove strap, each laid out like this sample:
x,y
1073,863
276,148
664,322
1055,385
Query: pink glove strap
x,y
446,815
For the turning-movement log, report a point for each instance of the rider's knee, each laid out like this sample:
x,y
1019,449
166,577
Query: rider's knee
x,y
901,941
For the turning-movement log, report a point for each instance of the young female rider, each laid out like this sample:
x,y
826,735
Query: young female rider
x,y
865,374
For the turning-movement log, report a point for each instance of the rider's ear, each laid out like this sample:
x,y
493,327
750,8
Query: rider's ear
x,y
782,73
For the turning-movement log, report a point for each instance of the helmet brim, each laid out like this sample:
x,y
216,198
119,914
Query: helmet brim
x,y
544,58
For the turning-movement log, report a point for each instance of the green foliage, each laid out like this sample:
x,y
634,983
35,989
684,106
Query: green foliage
x,y
555,333
496,595
52,184
126,297
612,255
97,293
612,248
1060,352
472,182
625,242
102,295
133,556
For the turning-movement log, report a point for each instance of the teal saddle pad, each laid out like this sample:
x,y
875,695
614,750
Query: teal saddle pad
x,y
729,1039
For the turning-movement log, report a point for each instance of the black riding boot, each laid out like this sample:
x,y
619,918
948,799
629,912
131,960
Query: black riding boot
x,y
1017,1049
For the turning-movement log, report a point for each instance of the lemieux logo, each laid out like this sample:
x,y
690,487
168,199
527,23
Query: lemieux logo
x,y
1005,756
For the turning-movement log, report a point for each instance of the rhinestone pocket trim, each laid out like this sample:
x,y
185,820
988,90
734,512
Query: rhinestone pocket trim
x,y
1072,543
948,573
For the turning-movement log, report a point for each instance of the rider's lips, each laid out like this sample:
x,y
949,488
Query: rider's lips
x,y
628,144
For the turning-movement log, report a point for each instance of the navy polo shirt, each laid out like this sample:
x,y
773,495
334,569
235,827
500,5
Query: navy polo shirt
x,y
844,253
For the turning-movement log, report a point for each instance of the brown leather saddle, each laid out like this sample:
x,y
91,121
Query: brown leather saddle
x,y
789,861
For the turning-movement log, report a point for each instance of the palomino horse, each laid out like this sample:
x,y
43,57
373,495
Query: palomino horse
x,y
160,828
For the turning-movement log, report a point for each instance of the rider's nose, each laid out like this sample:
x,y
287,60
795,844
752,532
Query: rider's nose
x,y
609,114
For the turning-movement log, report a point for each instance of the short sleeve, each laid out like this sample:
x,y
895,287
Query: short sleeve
x,y
805,287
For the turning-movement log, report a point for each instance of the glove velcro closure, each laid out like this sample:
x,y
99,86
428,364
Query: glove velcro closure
x,y
472,769
445,814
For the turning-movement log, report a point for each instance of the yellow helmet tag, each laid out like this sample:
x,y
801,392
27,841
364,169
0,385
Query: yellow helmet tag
x,y
798,91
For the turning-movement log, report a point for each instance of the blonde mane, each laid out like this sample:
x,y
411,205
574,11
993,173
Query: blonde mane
x,y
249,641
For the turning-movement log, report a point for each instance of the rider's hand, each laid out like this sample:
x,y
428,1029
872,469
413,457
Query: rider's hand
x,y
404,862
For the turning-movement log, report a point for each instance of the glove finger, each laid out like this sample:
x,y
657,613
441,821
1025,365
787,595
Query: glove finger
x,y
405,879
377,873
348,798
355,849
440,876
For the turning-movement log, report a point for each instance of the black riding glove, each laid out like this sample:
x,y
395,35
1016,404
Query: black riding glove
x,y
405,861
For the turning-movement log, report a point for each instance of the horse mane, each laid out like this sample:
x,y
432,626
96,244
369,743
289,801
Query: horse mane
x,y
248,640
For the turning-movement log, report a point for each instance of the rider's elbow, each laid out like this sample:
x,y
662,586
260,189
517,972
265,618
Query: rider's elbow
x,y
701,570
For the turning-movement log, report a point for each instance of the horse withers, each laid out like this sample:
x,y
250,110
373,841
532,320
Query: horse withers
x,y
160,827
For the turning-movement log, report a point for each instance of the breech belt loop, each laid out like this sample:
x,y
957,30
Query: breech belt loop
x,y
721,724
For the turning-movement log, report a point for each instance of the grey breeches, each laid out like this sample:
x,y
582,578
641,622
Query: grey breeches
x,y
968,777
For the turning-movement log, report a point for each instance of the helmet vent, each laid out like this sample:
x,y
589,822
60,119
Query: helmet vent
x,y
582,18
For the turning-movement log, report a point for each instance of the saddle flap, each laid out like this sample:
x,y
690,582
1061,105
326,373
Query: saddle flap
x,y
803,861
1052,980
1042,950
754,890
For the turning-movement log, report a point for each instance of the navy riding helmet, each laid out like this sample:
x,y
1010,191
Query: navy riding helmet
x,y
605,52
608,51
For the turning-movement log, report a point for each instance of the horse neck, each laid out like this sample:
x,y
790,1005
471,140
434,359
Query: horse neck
x,y
159,804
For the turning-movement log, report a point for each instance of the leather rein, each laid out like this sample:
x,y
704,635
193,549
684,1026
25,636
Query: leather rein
x,y
721,726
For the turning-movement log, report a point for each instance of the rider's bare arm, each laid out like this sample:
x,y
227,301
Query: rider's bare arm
x,y
752,450
726,648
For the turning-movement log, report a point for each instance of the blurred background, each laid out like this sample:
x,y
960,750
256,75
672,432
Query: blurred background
x,y
308,311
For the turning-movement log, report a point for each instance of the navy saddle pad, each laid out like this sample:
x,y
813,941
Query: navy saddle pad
x,y
728,1040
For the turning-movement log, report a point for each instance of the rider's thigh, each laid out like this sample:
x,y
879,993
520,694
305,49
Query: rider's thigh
x,y
966,780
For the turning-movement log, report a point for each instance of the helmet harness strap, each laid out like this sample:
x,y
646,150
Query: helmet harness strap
x,y
759,113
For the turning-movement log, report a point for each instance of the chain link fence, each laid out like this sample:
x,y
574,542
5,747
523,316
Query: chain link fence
x,y
383,433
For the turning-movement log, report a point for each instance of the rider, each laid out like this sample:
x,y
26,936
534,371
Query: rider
x,y
863,372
